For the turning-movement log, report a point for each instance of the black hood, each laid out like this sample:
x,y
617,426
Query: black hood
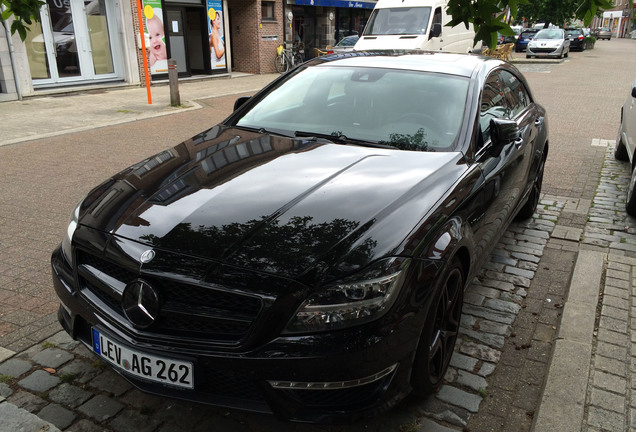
x,y
273,204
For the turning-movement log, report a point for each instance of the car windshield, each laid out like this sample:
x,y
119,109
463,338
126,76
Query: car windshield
x,y
398,21
404,109
574,32
528,34
549,34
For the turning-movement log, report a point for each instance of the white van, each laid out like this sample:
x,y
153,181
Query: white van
x,y
414,24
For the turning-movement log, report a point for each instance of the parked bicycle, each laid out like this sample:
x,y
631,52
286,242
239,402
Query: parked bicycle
x,y
288,58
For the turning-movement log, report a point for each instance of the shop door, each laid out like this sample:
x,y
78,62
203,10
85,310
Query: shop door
x,y
73,42
177,41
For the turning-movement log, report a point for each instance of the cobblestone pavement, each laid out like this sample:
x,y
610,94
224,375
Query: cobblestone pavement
x,y
611,394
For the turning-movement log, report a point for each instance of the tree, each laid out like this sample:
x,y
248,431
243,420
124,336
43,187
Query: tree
x,y
487,16
24,12
548,11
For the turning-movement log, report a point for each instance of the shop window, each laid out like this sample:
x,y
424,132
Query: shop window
x,y
267,11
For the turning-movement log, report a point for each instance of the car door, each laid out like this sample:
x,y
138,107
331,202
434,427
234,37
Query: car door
x,y
531,127
504,172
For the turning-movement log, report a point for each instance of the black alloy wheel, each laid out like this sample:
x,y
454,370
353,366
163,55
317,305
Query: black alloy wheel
x,y
440,332
530,206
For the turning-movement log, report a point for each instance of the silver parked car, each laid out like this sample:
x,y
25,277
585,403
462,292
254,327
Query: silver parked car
x,y
549,43
626,144
604,33
345,44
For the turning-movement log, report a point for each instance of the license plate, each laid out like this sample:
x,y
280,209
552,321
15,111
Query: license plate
x,y
150,367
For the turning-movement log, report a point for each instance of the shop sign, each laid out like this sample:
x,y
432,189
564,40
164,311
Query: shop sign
x,y
349,4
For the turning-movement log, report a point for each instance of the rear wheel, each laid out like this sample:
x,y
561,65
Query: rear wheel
x,y
281,63
439,335
620,152
530,206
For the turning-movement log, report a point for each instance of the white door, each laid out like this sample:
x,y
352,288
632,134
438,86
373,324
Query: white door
x,y
76,42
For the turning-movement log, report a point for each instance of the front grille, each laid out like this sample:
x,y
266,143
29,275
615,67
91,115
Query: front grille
x,y
543,50
203,312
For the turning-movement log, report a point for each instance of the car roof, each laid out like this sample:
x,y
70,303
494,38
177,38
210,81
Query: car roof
x,y
425,61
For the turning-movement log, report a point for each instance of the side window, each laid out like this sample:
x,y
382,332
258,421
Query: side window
x,y
515,93
437,18
493,105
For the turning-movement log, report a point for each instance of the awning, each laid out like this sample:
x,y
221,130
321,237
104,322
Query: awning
x,y
337,3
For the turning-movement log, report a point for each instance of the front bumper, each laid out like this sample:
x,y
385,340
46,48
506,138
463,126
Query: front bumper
x,y
545,51
372,360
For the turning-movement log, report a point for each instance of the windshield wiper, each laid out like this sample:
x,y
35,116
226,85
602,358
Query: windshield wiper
x,y
341,139
260,130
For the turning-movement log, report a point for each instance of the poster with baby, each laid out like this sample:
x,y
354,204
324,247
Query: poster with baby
x,y
155,37
216,33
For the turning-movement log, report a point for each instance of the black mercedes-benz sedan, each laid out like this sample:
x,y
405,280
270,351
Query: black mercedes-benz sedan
x,y
308,256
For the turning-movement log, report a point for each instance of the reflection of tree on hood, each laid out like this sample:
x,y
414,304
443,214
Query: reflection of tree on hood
x,y
289,249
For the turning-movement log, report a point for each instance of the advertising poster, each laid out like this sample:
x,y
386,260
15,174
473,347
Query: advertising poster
x,y
217,35
154,33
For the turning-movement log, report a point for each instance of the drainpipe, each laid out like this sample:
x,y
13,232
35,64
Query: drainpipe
x,y
12,58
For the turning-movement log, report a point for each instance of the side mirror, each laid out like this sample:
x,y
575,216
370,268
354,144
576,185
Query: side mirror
x,y
634,89
436,30
502,133
240,101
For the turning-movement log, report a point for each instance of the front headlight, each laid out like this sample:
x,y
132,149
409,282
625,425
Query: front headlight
x,y
68,236
346,304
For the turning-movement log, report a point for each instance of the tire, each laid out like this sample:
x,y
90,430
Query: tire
x,y
298,59
530,206
630,205
281,64
620,152
439,335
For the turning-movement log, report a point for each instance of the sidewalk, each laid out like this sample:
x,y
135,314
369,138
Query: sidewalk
x,y
54,114
589,386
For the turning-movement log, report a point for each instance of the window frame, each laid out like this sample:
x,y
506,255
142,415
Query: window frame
x,y
264,5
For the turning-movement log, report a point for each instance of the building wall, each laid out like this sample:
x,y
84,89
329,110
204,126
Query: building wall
x,y
268,45
245,34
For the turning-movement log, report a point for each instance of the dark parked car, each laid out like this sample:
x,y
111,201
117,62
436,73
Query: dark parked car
x,y
577,38
626,145
308,256
525,37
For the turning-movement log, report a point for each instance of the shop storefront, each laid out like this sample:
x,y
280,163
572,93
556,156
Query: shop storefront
x,y
77,41
190,31
99,42
322,23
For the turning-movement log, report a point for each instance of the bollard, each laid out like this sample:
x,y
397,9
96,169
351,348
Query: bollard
x,y
173,74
